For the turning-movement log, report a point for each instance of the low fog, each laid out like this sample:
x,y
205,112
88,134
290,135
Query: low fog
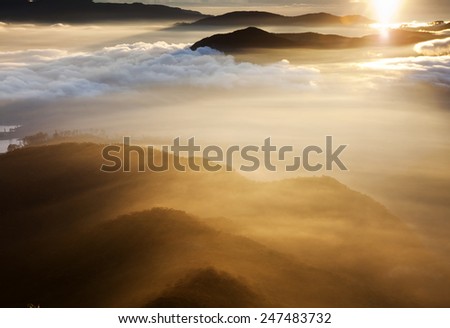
x,y
309,242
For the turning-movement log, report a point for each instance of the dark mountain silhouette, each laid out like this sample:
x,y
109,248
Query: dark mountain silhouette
x,y
67,239
253,37
261,18
55,11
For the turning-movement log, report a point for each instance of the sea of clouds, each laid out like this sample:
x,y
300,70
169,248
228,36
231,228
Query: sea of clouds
x,y
53,73
427,69
56,73
432,65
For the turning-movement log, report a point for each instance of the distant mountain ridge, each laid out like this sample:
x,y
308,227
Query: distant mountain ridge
x,y
262,18
253,37
88,11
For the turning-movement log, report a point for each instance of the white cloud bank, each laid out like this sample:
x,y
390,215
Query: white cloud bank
x,y
54,73
439,47
432,67
427,69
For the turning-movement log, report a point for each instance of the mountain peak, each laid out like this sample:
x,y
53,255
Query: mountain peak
x,y
250,37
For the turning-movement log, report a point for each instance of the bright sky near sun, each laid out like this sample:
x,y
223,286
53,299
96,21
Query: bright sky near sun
x,y
386,10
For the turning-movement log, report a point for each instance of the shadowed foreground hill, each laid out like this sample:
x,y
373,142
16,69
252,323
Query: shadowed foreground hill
x,y
68,239
253,37
208,288
132,261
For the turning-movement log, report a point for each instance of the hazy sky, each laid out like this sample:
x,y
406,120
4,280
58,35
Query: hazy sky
x,y
409,9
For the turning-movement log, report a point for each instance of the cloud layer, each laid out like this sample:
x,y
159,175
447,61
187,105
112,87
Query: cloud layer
x,y
56,73
440,47
426,69
52,73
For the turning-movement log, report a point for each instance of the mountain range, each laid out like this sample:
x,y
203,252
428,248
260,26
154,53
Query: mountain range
x,y
78,11
72,236
253,37
261,18
55,11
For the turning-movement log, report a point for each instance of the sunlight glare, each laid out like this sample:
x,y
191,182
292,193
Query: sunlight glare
x,y
386,10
